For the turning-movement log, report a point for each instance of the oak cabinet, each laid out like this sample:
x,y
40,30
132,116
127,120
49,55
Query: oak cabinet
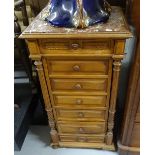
x,y
79,73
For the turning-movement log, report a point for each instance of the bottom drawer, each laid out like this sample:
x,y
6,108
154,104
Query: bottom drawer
x,y
82,138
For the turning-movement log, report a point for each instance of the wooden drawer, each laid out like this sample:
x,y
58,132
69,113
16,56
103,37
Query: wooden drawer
x,y
82,138
81,128
78,67
80,101
79,115
80,84
68,46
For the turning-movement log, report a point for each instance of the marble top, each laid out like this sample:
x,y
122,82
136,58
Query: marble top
x,y
115,25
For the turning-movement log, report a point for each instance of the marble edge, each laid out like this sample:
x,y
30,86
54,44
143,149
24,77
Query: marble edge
x,y
123,34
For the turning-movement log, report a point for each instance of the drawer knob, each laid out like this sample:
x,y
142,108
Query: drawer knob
x,y
81,139
75,46
76,68
81,114
81,130
78,86
78,101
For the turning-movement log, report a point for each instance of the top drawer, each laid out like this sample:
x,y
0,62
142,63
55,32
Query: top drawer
x,y
66,46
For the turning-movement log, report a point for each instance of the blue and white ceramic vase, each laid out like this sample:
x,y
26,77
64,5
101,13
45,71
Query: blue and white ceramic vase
x,y
78,13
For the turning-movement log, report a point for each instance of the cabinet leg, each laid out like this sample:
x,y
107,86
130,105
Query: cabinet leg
x,y
55,139
109,139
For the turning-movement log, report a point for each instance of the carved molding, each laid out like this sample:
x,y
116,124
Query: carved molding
x,y
38,64
117,65
52,124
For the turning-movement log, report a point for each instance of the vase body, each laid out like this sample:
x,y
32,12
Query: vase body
x,y
78,13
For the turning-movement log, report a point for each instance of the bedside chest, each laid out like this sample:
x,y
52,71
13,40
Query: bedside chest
x,y
79,73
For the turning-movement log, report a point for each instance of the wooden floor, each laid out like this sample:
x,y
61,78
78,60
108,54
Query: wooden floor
x,y
37,143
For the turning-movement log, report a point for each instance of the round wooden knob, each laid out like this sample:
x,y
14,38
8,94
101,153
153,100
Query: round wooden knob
x,y
78,101
81,139
81,130
78,86
81,114
76,68
75,46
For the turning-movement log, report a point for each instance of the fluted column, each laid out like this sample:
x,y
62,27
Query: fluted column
x,y
114,89
48,107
